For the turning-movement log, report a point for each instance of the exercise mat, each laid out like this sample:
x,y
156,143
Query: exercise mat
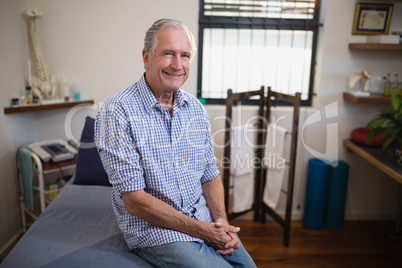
x,y
316,194
337,189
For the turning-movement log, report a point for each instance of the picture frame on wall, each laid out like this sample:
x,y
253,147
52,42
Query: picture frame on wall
x,y
371,18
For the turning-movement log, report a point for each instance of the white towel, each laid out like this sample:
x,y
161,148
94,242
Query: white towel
x,y
241,166
242,151
275,161
243,192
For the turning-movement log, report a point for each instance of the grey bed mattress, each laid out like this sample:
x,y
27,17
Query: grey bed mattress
x,y
77,229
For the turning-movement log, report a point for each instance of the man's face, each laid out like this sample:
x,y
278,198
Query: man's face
x,y
169,68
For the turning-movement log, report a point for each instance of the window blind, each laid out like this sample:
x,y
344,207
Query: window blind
x,y
246,44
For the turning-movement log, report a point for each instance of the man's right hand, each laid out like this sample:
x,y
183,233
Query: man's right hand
x,y
222,237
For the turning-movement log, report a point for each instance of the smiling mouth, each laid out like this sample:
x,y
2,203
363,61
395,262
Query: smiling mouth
x,y
174,75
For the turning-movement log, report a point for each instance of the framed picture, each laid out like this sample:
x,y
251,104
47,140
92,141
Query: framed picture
x,y
372,18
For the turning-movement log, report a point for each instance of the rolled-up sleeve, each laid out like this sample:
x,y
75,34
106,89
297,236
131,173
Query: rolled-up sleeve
x,y
117,148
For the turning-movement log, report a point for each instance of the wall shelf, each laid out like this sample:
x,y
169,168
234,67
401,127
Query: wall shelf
x,y
375,46
369,99
44,107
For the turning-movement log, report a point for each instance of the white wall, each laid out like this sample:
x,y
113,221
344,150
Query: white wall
x,y
14,130
98,43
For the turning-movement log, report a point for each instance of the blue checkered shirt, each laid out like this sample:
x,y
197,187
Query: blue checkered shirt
x,y
143,147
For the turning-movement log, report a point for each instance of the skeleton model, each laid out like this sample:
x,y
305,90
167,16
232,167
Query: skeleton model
x,y
43,85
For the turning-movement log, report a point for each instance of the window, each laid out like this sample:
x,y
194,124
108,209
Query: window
x,y
248,43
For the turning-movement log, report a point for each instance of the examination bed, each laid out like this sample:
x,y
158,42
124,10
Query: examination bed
x,y
79,227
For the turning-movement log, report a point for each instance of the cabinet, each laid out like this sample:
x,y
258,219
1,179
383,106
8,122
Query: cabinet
x,y
39,173
36,179
385,162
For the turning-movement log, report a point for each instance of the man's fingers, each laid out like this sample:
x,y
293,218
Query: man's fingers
x,y
234,243
225,252
232,229
228,228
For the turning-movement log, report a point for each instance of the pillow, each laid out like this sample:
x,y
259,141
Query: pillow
x,y
89,169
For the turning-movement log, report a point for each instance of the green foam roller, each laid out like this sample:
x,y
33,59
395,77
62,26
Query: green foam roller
x,y
337,190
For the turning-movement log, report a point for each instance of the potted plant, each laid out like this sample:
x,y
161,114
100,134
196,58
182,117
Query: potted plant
x,y
388,123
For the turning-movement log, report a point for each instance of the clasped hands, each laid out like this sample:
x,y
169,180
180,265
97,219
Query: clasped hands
x,y
223,239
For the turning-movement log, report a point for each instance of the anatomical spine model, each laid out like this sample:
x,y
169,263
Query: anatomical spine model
x,y
43,85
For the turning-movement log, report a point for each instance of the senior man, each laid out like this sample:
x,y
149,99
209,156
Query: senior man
x,y
155,143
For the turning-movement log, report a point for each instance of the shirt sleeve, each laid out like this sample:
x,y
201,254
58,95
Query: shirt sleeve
x,y
117,148
211,170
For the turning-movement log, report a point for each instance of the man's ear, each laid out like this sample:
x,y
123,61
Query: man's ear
x,y
145,59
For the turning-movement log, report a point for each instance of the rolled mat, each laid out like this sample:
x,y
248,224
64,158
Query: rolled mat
x,y
337,189
316,194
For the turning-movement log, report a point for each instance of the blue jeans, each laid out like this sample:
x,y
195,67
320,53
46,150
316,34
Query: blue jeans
x,y
193,254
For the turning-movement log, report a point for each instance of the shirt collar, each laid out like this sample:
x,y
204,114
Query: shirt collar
x,y
179,98
150,101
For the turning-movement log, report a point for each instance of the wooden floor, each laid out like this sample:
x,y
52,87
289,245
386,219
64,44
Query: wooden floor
x,y
357,244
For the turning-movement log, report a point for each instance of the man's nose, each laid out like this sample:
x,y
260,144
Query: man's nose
x,y
177,63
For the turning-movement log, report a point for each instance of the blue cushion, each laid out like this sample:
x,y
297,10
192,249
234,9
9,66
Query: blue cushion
x,y
89,169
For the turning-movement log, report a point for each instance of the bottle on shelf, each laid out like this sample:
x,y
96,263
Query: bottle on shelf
x,y
28,95
387,85
65,88
77,92
394,85
52,190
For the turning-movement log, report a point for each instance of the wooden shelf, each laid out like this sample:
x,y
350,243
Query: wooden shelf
x,y
369,99
44,107
383,160
51,165
375,46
